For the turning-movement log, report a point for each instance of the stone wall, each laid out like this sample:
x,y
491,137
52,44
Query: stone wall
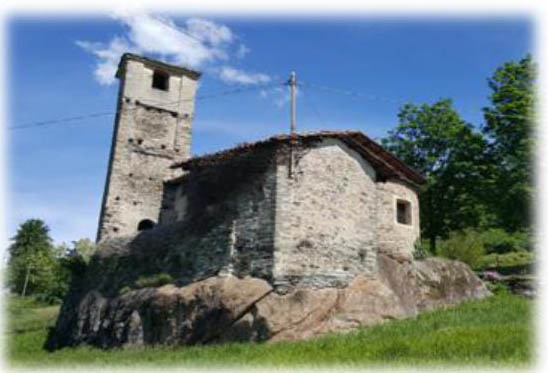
x,y
319,227
138,82
152,131
227,209
395,239
326,217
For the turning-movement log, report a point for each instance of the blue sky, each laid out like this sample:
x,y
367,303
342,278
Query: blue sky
x,y
57,172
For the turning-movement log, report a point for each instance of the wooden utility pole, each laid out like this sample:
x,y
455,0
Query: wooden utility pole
x,y
293,121
293,85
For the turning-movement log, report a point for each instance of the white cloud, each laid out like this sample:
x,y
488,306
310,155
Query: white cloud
x,y
242,51
199,44
231,75
279,96
107,57
209,31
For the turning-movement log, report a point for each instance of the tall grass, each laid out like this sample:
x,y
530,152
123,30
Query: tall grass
x,y
492,332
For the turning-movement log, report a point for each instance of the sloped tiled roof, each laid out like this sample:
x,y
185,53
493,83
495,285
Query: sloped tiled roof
x,y
385,163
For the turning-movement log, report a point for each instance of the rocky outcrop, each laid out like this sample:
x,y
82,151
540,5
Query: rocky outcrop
x,y
227,308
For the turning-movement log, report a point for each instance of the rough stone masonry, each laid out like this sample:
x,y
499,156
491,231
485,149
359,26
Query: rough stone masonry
x,y
285,238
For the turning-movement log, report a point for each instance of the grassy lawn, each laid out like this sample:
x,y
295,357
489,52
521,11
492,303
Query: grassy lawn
x,y
494,332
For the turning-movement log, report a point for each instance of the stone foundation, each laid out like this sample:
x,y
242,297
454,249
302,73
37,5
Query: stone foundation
x,y
228,308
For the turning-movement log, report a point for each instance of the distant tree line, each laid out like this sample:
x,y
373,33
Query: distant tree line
x,y
39,268
479,179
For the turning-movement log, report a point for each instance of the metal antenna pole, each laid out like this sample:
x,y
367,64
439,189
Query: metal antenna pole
x,y
293,85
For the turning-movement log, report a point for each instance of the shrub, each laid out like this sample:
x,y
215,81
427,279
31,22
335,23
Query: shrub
x,y
499,241
422,249
153,281
47,299
506,260
510,263
466,246
498,288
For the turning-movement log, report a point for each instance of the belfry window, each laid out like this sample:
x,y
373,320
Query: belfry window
x,y
160,80
403,212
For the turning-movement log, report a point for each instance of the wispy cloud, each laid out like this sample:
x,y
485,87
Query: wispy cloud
x,y
108,57
197,43
279,96
232,75
242,51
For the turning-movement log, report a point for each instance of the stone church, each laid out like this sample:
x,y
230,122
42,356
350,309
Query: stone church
x,y
286,238
312,208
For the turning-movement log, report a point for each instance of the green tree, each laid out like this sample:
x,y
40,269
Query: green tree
x,y
435,141
46,269
85,248
508,124
31,258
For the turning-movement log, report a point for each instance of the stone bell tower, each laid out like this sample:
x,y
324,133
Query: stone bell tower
x,y
152,130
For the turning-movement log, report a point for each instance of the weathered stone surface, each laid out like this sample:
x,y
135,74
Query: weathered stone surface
x,y
197,313
227,308
326,216
306,313
152,131
443,281
395,238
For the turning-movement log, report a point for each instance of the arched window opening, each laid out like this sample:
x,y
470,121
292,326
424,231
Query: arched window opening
x,y
145,224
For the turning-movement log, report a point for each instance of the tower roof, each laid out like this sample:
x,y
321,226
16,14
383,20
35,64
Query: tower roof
x,y
386,164
174,69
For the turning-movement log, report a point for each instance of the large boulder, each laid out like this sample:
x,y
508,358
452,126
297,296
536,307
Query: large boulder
x,y
227,308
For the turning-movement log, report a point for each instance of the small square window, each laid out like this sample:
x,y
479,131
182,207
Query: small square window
x,y
160,80
403,212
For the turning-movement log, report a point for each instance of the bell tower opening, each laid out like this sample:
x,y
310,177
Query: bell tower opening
x,y
160,80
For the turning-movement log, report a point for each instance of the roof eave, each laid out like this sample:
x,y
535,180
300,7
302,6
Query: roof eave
x,y
174,69
369,149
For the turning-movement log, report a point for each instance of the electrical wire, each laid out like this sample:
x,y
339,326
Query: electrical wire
x,y
395,101
308,100
238,90
96,115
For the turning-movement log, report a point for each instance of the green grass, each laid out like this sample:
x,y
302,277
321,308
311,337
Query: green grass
x,y
494,332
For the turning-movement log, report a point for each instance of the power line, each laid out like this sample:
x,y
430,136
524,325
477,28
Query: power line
x,y
240,90
352,93
62,120
96,115
308,100
395,101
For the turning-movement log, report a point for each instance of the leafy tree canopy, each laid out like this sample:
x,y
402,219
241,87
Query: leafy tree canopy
x,y
435,141
31,258
508,126
32,237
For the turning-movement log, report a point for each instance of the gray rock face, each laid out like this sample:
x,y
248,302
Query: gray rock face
x,y
227,308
